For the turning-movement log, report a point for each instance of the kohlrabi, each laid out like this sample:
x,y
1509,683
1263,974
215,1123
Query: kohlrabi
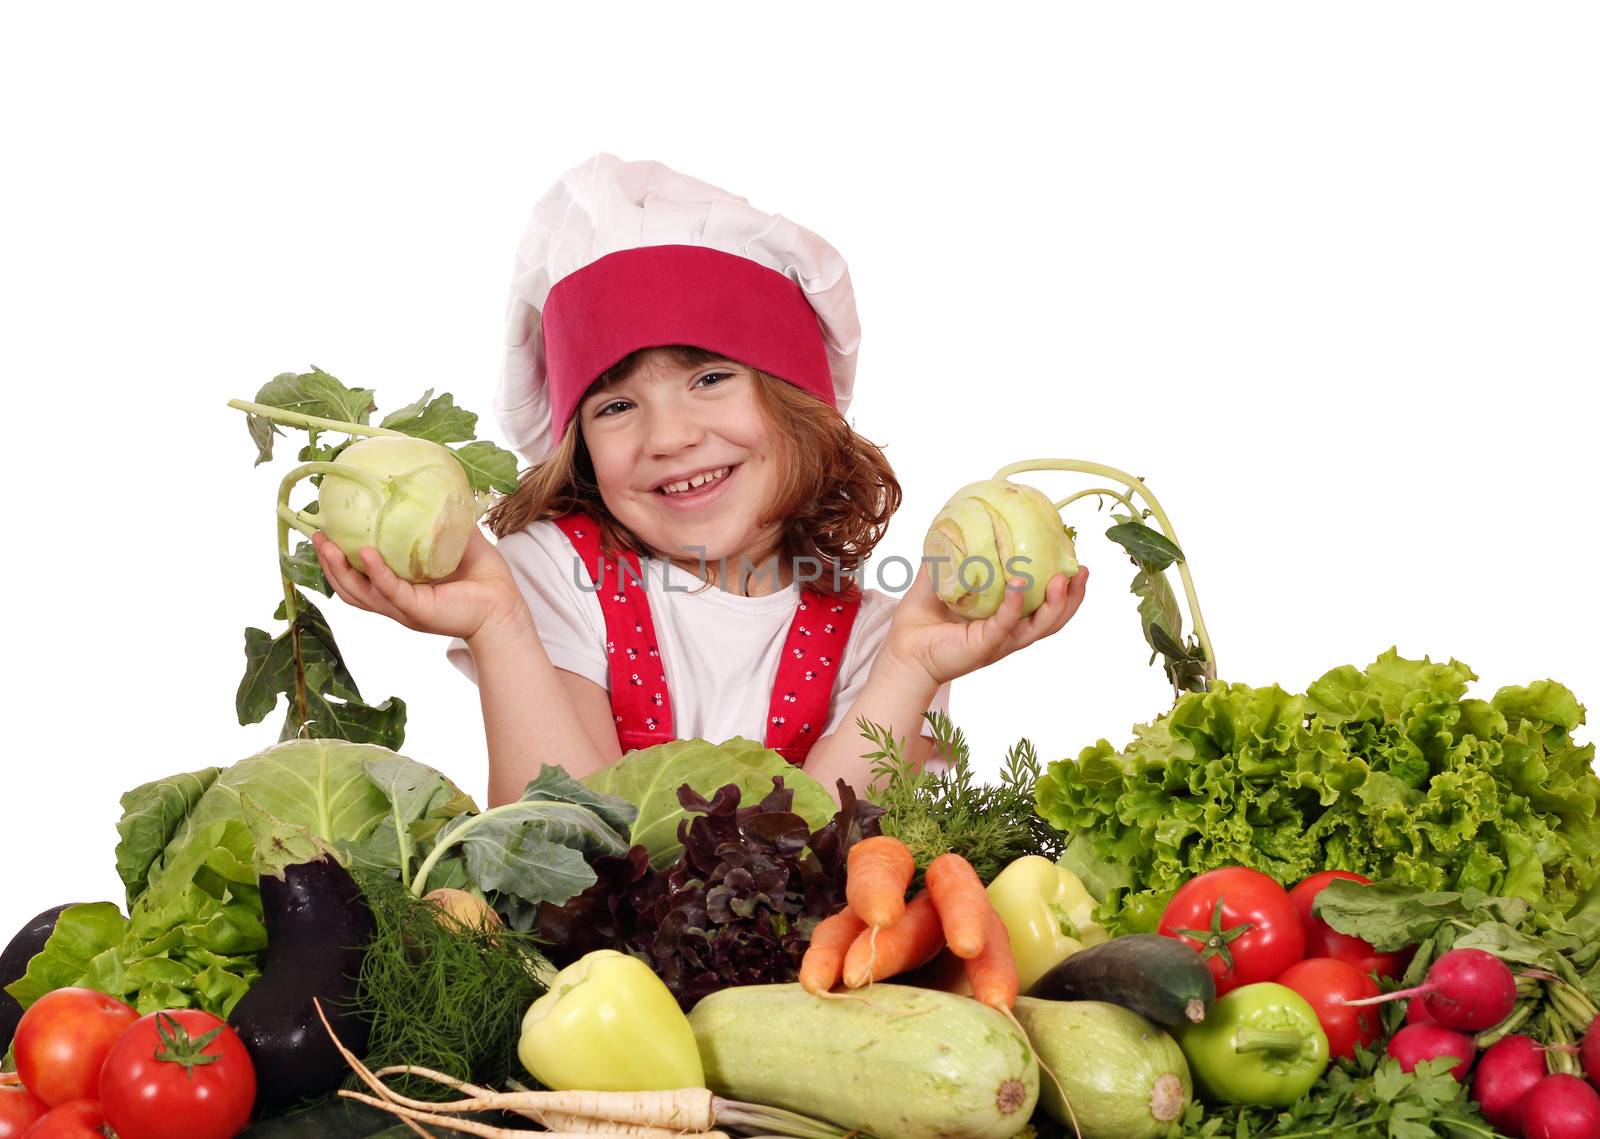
x,y
993,531
395,486
407,498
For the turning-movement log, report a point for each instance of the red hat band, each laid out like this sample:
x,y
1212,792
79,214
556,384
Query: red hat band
x,y
658,295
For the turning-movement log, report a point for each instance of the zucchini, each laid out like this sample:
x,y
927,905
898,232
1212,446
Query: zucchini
x,y
1125,1078
893,1061
1160,978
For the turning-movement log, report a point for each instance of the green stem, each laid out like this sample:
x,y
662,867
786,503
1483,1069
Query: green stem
x,y
1280,1042
290,517
419,884
1519,1016
296,419
1104,490
292,612
1137,485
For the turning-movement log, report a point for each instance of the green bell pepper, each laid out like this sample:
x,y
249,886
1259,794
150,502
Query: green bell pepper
x,y
1047,912
609,1024
1261,1045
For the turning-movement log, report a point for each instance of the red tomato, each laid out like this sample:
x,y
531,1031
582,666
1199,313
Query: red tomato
x,y
1327,984
75,1119
1322,940
1240,921
63,1039
19,1110
185,1064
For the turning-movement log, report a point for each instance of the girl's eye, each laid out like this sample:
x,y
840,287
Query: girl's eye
x,y
711,379
607,408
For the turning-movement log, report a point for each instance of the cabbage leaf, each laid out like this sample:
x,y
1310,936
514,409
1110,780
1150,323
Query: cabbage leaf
x,y
650,778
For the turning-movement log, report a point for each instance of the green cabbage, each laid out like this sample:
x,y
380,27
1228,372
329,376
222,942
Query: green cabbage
x,y
650,778
193,936
1392,772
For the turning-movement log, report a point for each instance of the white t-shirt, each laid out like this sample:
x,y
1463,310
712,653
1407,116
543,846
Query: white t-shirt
x,y
720,651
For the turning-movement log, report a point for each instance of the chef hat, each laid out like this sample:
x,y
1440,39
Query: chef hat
x,y
621,256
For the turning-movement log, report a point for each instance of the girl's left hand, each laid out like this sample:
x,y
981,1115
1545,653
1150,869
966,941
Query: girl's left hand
x,y
926,634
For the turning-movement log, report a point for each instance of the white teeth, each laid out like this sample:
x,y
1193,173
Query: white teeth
x,y
697,481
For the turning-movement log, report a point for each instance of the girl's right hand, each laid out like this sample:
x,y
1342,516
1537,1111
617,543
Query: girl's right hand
x,y
480,594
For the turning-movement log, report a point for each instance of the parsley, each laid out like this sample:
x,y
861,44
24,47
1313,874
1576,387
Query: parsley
x,y
1368,1097
936,812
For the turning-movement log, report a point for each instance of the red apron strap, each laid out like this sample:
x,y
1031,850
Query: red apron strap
x,y
803,691
640,704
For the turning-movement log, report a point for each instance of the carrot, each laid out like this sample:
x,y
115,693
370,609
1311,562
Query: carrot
x,y
823,963
962,902
878,873
911,942
993,973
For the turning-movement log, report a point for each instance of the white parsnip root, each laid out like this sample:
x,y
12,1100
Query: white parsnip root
x,y
684,1113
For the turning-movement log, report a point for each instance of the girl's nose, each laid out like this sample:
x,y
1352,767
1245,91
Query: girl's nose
x,y
673,429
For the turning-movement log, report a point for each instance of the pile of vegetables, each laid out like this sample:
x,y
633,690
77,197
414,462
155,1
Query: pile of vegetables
x,y
1371,910
738,904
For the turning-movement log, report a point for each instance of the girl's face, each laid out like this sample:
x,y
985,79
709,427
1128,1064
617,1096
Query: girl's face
x,y
685,459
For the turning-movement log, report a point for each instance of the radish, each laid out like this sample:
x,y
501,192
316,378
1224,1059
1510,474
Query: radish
x,y
1506,1074
1417,1012
1561,1107
1466,989
1590,1052
1418,1042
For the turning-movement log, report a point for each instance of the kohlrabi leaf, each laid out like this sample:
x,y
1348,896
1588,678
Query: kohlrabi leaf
x,y
1145,545
488,467
650,778
151,815
303,569
381,724
270,665
439,420
421,800
1158,607
519,861
554,783
538,848
318,394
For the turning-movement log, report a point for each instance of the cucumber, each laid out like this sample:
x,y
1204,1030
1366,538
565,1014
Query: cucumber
x,y
1124,1077
1160,978
899,1063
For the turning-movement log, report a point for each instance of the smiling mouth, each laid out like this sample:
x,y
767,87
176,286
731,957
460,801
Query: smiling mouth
x,y
695,483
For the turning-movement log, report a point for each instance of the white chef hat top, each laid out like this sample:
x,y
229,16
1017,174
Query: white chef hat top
x,y
627,255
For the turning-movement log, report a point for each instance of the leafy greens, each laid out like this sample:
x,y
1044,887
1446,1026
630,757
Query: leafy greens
x,y
937,812
650,779
192,848
1391,771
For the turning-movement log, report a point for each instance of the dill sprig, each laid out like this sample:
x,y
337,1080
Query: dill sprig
x,y
935,812
440,995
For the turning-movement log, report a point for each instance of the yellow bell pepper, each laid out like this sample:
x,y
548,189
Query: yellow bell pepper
x,y
609,1024
1047,912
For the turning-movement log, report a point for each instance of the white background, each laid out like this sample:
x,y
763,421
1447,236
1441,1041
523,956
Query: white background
x,y
1326,275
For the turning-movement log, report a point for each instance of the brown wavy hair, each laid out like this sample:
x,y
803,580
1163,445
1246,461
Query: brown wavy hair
x,y
834,501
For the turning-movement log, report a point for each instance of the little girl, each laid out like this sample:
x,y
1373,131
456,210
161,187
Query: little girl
x,y
679,560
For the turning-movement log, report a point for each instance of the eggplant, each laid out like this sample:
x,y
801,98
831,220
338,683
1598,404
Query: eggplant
x,y
318,928
28,943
